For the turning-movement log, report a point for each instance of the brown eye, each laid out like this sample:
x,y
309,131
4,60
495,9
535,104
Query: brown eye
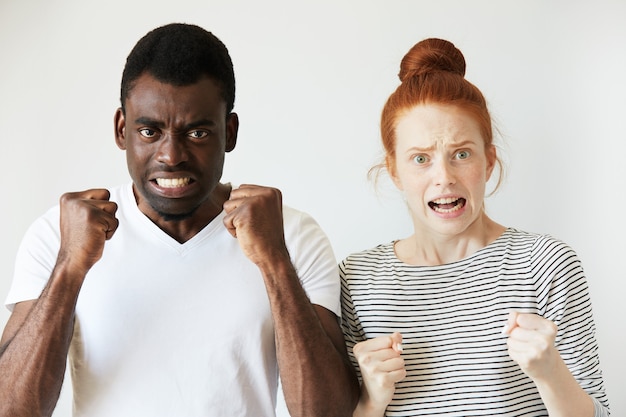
x,y
147,133
198,134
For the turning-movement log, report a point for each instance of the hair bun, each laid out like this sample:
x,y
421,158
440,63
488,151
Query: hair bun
x,y
431,55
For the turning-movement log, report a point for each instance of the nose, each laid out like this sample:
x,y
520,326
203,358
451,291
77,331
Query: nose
x,y
444,173
172,150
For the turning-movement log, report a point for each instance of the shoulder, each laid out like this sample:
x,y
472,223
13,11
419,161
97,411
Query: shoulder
x,y
536,241
291,214
122,194
541,247
382,254
298,223
304,236
44,224
383,250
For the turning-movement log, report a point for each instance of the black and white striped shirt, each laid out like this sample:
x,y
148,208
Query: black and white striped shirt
x,y
451,317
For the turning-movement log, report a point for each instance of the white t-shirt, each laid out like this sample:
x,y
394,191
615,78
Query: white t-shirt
x,y
170,329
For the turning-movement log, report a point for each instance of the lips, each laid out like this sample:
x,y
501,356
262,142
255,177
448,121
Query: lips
x,y
447,205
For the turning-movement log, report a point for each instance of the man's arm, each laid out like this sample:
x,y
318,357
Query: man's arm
x,y
36,339
317,377
33,353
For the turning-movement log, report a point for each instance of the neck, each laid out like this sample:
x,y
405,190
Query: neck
x,y
184,227
428,249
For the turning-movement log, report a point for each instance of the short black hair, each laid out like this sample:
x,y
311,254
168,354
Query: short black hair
x,y
180,54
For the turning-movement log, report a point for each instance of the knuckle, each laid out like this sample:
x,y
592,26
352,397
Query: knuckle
x,y
67,197
553,328
365,360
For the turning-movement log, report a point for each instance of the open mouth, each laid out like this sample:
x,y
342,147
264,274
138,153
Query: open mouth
x,y
173,182
447,205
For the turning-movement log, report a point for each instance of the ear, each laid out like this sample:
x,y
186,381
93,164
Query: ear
x,y
492,157
232,128
120,129
390,165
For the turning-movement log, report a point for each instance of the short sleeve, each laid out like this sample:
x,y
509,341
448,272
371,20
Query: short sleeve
x,y
313,258
35,259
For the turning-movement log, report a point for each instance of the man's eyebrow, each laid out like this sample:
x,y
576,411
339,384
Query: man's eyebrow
x,y
199,123
192,125
148,122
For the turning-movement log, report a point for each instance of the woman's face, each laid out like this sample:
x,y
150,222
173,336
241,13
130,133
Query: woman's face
x,y
442,166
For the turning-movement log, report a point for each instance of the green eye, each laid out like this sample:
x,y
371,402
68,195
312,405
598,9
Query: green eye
x,y
462,155
420,159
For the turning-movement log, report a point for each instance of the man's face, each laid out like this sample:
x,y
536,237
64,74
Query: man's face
x,y
175,139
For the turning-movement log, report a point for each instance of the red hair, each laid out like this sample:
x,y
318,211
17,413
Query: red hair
x,y
433,72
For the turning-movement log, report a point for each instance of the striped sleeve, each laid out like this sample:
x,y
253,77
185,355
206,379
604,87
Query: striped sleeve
x,y
563,297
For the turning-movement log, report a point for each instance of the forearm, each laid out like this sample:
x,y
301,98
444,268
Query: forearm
x,y
33,356
563,396
316,375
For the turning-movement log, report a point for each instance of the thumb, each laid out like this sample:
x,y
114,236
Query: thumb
x,y
511,322
396,342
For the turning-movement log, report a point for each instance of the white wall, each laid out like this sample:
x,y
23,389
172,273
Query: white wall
x,y
312,77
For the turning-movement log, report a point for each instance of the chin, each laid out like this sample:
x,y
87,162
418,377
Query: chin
x,y
174,214
175,217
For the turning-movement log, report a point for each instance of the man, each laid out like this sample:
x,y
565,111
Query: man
x,y
176,295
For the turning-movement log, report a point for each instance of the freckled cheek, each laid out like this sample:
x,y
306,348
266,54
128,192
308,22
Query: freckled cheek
x,y
411,183
475,182
414,188
479,175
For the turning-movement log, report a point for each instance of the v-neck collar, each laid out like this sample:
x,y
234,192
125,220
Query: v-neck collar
x,y
135,215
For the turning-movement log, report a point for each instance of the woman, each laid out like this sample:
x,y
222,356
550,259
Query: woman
x,y
465,317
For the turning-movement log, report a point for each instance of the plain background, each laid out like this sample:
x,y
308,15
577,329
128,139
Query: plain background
x,y
312,77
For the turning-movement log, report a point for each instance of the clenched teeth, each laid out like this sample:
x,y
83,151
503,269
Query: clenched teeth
x,y
447,210
448,200
447,205
172,182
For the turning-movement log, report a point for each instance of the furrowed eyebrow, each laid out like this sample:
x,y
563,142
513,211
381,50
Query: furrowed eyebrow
x,y
151,122
463,144
460,144
203,122
148,122
418,149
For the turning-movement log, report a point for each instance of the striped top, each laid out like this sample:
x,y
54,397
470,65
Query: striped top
x,y
451,317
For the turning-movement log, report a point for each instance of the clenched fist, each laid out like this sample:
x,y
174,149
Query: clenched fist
x,y
254,216
87,221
